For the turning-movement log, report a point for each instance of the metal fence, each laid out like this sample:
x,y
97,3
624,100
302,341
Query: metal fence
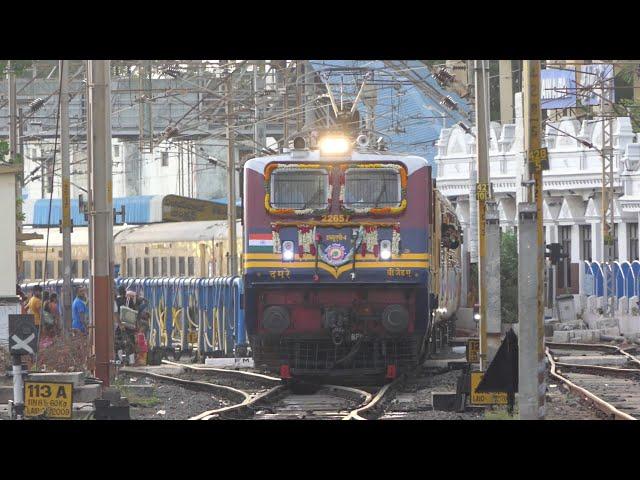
x,y
204,314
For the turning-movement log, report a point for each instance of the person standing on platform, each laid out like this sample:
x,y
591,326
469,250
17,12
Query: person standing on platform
x,y
79,312
34,307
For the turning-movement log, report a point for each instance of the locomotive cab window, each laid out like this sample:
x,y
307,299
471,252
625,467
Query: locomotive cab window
x,y
367,188
300,189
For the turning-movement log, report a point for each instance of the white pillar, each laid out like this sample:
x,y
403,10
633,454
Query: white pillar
x,y
623,242
596,242
575,244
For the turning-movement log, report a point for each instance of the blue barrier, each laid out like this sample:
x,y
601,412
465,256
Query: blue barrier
x,y
618,280
202,313
629,279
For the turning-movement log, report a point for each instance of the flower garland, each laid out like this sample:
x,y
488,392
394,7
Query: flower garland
x,y
306,239
369,239
275,236
290,211
395,241
382,211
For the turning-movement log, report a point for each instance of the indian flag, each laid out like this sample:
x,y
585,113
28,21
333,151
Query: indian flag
x,y
260,242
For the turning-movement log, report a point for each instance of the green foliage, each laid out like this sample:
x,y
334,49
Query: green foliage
x,y
19,66
509,277
19,214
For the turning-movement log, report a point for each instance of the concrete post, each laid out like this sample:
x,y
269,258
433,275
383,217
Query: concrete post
x,y
531,300
494,322
506,91
527,311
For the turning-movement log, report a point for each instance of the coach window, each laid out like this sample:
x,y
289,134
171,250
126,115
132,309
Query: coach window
x,y
74,269
138,267
85,268
60,272
146,267
155,267
49,273
367,188
163,264
165,159
172,266
191,266
130,271
26,269
37,274
181,269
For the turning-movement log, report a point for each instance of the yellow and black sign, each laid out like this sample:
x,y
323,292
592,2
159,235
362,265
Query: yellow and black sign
x,y
482,191
499,398
538,160
193,336
473,350
49,400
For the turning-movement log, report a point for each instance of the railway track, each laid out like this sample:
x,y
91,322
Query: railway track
x,y
604,376
262,397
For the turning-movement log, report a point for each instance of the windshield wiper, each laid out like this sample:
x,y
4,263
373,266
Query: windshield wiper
x,y
384,189
312,199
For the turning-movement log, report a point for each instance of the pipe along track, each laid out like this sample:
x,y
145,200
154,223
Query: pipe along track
x,y
278,401
611,390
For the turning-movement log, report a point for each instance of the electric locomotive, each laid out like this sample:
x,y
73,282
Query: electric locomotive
x,y
342,244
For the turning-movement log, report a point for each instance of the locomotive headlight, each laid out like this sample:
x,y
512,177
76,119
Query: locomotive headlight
x,y
334,145
385,249
287,251
476,316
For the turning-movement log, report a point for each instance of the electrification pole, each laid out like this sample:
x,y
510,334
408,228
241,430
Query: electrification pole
x,y
483,192
531,359
66,196
607,198
13,118
259,137
101,216
13,144
231,182
506,91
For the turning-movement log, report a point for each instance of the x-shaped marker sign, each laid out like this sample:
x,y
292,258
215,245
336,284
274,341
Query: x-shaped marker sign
x,y
23,344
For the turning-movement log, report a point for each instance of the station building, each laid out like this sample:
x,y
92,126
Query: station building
x,y
572,186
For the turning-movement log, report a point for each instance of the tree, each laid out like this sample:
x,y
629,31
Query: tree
x,y
509,277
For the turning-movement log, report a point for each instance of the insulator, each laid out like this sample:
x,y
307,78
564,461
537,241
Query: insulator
x,y
443,77
36,104
449,103
172,72
464,127
170,132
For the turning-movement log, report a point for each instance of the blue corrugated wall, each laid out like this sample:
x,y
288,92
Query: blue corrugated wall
x,y
137,211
